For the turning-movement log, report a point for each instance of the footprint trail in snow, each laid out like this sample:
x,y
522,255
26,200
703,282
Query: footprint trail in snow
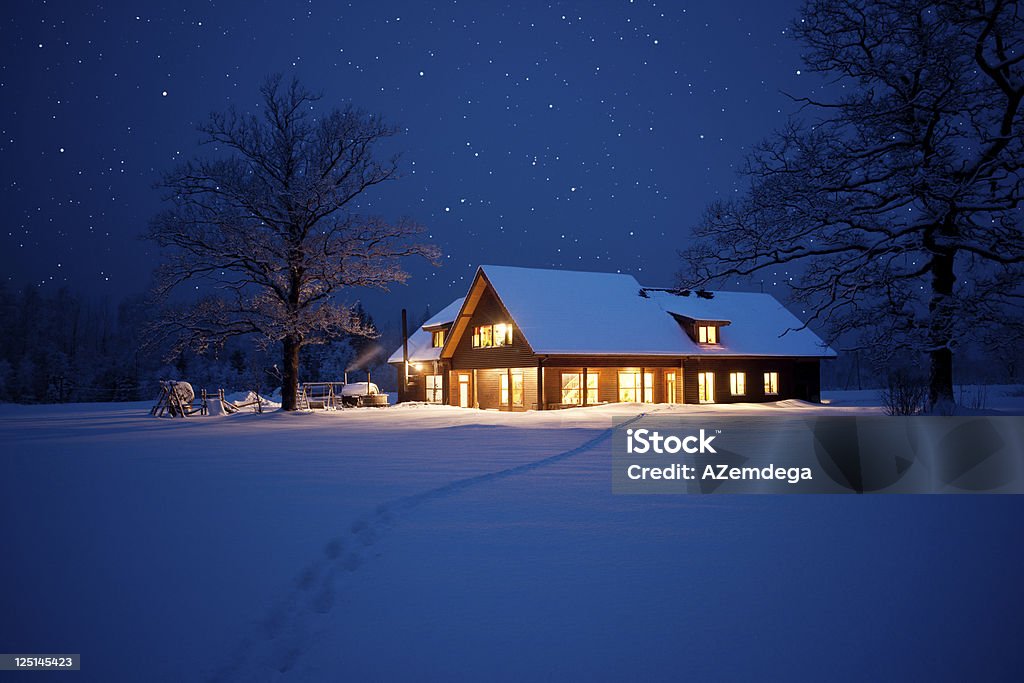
x,y
278,641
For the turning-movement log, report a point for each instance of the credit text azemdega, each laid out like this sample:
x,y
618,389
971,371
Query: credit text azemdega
x,y
644,441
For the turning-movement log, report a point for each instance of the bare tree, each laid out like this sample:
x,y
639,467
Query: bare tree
x,y
267,219
896,205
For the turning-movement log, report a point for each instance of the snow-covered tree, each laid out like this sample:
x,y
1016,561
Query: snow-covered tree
x,y
268,219
336,359
895,205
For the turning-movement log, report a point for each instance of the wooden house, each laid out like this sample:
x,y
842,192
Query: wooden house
x,y
536,339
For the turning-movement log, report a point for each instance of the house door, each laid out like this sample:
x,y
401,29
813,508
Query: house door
x,y
706,387
463,391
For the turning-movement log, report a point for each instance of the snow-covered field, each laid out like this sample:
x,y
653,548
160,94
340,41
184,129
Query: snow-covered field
x,y
435,543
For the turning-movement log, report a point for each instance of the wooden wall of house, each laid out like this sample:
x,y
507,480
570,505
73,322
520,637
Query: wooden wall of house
x,y
798,378
612,361
452,388
488,388
608,381
553,384
690,388
485,388
489,311
414,390
662,377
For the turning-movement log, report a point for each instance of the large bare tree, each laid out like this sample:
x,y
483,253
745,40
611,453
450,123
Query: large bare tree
x,y
266,219
895,204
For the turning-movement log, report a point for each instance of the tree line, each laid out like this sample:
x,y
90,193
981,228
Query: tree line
x,y
59,346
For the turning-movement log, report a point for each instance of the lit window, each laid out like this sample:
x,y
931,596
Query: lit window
x,y
592,388
435,393
706,387
571,388
738,383
771,382
486,336
438,339
503,334
629,387
670,387
707,334
517,388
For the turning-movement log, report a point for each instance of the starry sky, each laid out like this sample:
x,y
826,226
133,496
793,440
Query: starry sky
x,y
584,135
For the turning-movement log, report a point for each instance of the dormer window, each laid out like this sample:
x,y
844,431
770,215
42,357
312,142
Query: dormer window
x,y
707,334
438,339
486,336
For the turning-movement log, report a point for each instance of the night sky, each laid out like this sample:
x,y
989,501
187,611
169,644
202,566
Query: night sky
x,y
586,135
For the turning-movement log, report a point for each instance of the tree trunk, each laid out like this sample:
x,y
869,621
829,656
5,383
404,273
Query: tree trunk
x,y
940,376
290,374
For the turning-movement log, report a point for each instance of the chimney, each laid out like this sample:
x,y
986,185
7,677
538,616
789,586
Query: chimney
x,y
405,345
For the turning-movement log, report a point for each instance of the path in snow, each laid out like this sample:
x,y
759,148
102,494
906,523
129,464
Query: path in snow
x,y
281,635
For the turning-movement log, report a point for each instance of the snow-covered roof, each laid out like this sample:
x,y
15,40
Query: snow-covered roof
x,y
572,312
421,342
446,314
758,324
562,312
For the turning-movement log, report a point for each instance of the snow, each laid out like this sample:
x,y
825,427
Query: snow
x,y
445,315
215,408
758,325
437,543
563,311
183,390
359,389
246,397
991,399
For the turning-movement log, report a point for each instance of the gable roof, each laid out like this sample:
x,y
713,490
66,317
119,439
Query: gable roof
x,y
421,342
562,312
572,312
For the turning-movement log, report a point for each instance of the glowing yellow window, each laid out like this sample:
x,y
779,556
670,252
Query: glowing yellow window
x,y
738,383
503,334
629,387
486,336
592,378
438,340
771,382
707,334
571,388
517,388
706,387
434,389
